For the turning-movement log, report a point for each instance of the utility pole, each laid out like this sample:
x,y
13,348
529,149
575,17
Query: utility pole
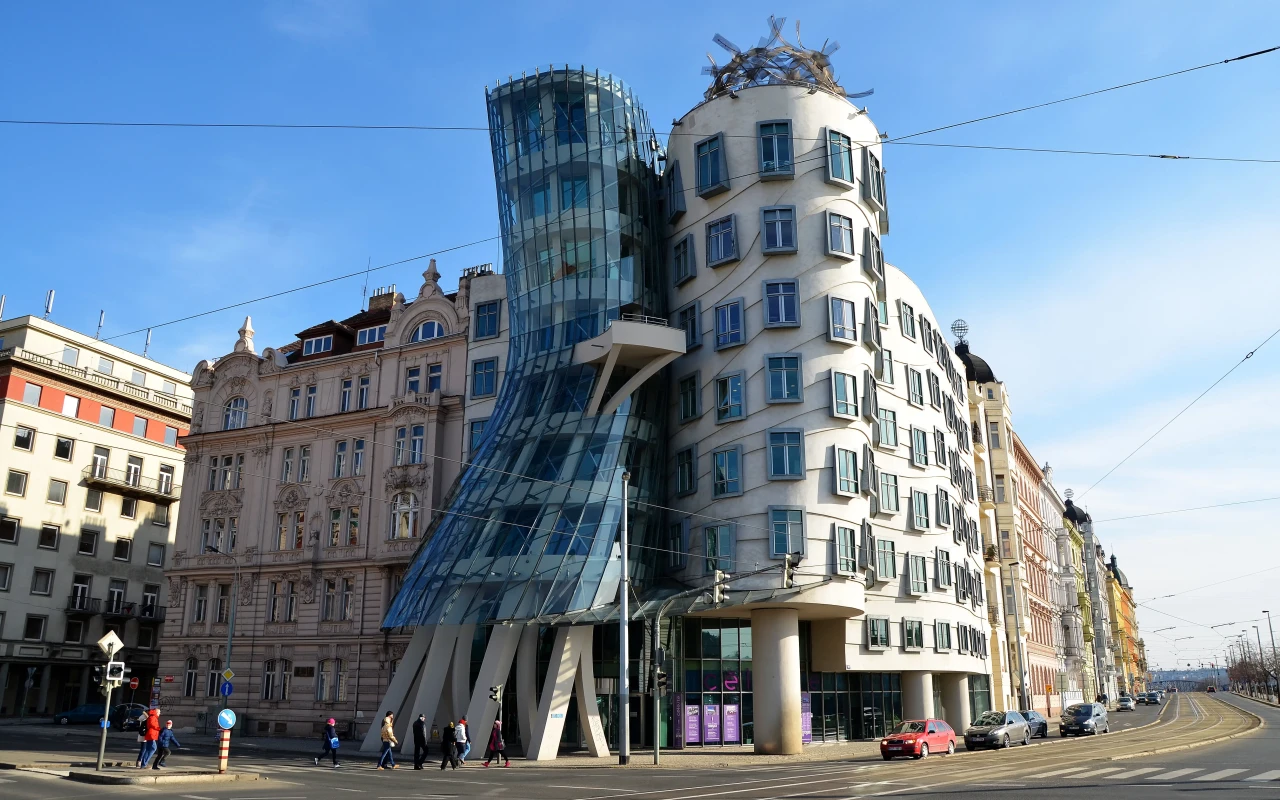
x,y
1262,662
1275,663
624,718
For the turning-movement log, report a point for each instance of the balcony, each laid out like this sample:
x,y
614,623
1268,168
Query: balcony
x,y
117,609
976,436
640,343
985,497
82,605
131,483
160,399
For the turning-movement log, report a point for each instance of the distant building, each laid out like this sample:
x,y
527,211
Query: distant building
x,y
91,465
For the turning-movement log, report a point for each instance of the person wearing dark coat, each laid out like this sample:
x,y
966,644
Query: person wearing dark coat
x,y
496,747
419,741
165,743
448,753
330,739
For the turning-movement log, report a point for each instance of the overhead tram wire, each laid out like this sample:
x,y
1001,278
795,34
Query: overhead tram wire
x,y
1206,586
1185,510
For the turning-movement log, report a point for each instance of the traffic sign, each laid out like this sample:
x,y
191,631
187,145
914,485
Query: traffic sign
x,y
168,679
110,644
226,689
227,674
133,683
226,719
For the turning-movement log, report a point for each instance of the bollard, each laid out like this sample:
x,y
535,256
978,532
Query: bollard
x,y
224,749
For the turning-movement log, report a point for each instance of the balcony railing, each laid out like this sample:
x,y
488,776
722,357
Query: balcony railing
x,y
645,319
146,612
90,376
977,433
984,493
131,482
84,604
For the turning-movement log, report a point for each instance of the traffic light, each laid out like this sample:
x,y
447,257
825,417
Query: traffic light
x,y
115,671
495,693
717,588
96,677
664,683
789,571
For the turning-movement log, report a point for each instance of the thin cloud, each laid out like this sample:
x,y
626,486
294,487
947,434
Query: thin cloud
x,y
319,20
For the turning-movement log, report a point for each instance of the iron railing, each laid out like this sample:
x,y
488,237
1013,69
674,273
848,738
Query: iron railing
x,y
91,376
130,480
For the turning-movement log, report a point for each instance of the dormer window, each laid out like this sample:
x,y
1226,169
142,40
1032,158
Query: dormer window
x,y
427,330
320,344
371,335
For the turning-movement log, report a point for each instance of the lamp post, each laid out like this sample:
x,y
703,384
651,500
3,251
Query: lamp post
x,y
1262,662
624,718
1275,663
235,592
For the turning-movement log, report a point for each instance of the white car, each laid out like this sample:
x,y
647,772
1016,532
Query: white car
x,y
1126,704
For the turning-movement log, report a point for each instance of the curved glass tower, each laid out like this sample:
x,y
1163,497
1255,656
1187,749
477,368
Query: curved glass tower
x,y
531,527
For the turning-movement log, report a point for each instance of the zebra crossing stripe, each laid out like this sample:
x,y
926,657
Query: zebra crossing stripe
x,y
1177,773
1058,772
1265,776
1133,773
1219,775
1096,772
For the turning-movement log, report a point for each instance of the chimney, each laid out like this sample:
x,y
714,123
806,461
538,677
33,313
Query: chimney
x,y
383,298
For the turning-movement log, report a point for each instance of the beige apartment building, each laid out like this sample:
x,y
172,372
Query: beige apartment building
x,y
312,471
90,456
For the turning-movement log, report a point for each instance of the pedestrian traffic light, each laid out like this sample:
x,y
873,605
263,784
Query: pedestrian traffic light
x,y
788,572
97,675
115,671
495,693
717,587
664,683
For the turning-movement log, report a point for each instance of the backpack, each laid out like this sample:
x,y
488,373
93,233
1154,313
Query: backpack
x,y
459,734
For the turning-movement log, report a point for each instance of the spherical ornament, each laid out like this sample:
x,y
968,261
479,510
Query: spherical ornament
x,y
960,328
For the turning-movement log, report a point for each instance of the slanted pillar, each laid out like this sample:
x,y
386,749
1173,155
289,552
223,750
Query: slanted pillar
x,y
570,672
527,685
404,685
955,697
775,642
917,695
481,712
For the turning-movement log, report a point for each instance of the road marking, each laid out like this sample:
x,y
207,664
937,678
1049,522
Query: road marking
x,y
1219,775
589,788
1133,773
1265,776
5,780
340,789
1058,772
1177,773
1092,773
196,797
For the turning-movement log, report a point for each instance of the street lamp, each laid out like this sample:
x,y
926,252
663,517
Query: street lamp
x,y
1158,630
235,591
1275,663
1017,621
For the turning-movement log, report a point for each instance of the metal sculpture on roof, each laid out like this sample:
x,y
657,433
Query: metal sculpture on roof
x,y
774,60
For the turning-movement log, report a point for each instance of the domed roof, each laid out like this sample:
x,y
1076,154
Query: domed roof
x,y
975,368
1075,513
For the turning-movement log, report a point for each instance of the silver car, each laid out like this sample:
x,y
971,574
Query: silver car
x,y
1084,719
997,729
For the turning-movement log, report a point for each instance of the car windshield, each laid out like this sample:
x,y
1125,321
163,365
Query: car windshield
x,y
990,718
909,727
1080,711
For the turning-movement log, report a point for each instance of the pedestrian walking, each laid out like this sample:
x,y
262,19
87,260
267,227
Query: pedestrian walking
x,y
166,741
330,745
496,747
464,741
388,741
150,733
448,745
419,741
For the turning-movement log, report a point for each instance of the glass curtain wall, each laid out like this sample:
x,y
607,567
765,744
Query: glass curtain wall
x,y
530,530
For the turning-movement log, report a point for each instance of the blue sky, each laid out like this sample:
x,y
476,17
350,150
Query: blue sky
x,y
1106,292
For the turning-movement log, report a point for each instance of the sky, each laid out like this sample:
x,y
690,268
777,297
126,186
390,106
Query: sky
x,y
1105,292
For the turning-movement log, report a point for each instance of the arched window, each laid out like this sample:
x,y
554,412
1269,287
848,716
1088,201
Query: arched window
x,y
215,677
404,516
269,679
189,680
235,414
427,330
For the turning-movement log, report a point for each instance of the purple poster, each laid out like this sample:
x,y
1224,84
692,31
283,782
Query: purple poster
x,y
732,728
711,724
806,718
692,724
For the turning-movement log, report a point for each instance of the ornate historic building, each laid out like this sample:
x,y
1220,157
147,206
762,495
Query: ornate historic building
x,y
312,470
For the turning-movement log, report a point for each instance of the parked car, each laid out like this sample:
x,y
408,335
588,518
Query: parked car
x,y
1084,719
1126,703
997,729
1151,698
918,738
1038,724
80,715
127,716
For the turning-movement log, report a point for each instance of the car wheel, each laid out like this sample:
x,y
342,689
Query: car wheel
x,y
63,720
886,756
1004,743
951,748
924,750
1026,738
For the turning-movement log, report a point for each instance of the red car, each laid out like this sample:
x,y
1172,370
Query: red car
x,y
918,738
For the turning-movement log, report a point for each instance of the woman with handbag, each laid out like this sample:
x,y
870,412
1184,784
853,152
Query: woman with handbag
x,y
497,748
330,744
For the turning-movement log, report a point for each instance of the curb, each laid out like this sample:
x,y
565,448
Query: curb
x,y
1256,700
153,780
59,764
1260,725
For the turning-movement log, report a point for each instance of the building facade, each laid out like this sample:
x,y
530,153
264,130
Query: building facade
x,y
1129,659
312,471
1095,574
92,464
1077,616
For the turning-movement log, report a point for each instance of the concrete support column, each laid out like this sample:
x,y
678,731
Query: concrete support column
x,y
46,678
775,642
84,686
4,688
955,696
917,695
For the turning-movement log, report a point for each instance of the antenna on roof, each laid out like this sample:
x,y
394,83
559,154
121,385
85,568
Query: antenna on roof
x,y
3,297
364,293
102,317
147,346
48,304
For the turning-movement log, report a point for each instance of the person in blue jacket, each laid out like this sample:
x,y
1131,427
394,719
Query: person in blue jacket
x,y
167,741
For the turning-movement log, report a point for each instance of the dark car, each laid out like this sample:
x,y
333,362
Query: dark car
x,y
1038,724
127,716
80,715
997,729
1210,689
1084,719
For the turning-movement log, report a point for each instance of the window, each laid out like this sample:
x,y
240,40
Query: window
x,y
6,575
775,150
839,158
404,516
190,677
93,500
846,472
427,330
286,465
129,507
919,448
722,241
872,255
57,492
133,470
1000,489
417,439
16,483
886,560
434,373
919,574
729,397
475,432
726,472
138,378
106,366
573,192
171,436
843,324
235,414
331,681
9,530
683,267
74,631
214,679
942,635
295,402
926,334
31,393
943,513
675,192
786,531
942,568
687,320
844,396
729,331
839,235
362,393
784,379
940,448
344,396
935,389
994,431
357,457
872,180
846,550
687,471
919,510
371,335
690,392
199,608
224,603
717,548
786,454
487,319
908,317
42,582
539,201
88,545
311,401
888,428
122,549
484,377
320,344
912,634
915,387
24,438
713,171
33,631
877,632
71,407
779,229
781,304
402,441
48,537
339,459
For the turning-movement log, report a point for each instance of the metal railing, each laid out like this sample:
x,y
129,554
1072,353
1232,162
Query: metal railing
x,y
84,604
647,320
91,376
130,480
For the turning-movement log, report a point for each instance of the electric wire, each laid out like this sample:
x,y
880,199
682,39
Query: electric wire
x,y
1185,510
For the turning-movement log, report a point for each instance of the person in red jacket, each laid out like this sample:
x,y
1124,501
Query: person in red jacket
x,y
150,735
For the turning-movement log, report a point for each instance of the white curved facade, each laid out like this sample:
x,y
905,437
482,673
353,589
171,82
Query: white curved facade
x,y
801,306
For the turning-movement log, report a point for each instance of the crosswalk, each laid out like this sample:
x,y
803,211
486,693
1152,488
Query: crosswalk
x,y
1197,774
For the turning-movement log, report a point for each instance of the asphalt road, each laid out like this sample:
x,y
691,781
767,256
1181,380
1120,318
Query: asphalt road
x,y
1249,766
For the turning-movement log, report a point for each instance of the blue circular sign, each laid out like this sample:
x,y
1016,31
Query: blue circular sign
x,y
226,717
226,691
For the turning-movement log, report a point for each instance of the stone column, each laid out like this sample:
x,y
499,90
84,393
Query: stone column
x,y
775,642
84,686
955,696
917,695
46,678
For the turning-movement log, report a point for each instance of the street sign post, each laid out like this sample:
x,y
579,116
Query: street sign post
x,y
226,690
109,644
226,721
227,674
133,683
